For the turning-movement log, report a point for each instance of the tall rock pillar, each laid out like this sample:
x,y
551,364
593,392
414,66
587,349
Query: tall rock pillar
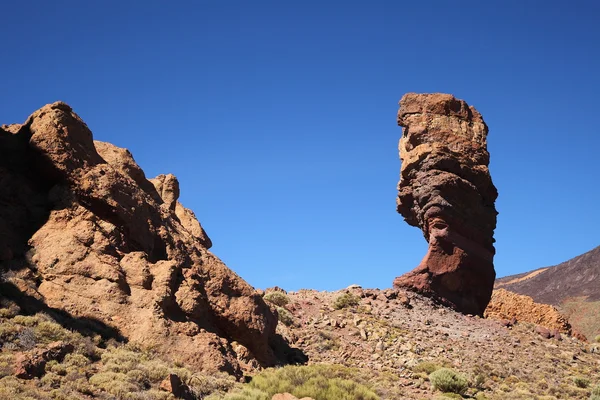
x,y
446,190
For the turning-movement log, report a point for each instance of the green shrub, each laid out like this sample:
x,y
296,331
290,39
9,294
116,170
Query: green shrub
x,y
76,360
595,393
284,316
346,300
247,393
325,341
115,383
8,312
156,370
203,385
52,380
597,339
138,377
426,366
448,380
120,360
320,382
46,332
8,332
26,320
6,364
581,382
278,298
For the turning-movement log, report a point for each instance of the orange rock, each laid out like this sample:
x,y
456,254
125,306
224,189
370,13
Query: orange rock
x,y
506,305
111,246
31,364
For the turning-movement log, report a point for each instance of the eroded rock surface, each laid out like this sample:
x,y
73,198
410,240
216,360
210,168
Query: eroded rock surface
x,y
446,190
86,233
509,305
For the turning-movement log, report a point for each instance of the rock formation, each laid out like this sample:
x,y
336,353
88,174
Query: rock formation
x,y
83,231
508,305
446,190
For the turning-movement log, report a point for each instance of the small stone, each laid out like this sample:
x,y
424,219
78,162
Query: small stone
x,y
363,334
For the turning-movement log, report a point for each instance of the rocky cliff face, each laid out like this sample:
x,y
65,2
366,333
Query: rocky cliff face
x,y
446,190
507,305
83,231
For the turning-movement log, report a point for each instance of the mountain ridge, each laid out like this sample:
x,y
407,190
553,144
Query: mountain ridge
x,y
576,277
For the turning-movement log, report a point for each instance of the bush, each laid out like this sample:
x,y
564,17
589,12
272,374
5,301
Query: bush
x,y
46,332
597,339
8,332
203,385
278,298
247,393
26,339
346,300
115,383
76,360
320,382
595,393
426,366
448,380
156,370
27,320
581,382
120,360
284,316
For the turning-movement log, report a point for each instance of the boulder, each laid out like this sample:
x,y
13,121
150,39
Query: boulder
x,y
32,364
173,384
446,190
104,244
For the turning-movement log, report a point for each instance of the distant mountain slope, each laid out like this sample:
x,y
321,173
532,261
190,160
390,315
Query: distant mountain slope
x,y
577,277
573,287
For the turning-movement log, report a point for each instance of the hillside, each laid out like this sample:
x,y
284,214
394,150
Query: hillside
x,y
577,277
362,344
572,286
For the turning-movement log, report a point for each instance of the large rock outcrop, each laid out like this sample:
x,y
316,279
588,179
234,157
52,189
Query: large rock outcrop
x,y
446,190
508,305
84,232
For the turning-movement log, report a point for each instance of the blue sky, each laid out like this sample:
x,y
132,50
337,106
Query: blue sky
x,y
279,117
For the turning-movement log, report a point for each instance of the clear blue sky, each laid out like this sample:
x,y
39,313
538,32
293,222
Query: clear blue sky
x,y
279,117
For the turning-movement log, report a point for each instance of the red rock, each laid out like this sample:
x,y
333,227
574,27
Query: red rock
x,y
543,332
31,364
446,190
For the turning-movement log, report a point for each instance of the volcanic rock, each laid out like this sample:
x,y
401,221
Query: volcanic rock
x,y
446,190
173,384
31,364
505,305
87,234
